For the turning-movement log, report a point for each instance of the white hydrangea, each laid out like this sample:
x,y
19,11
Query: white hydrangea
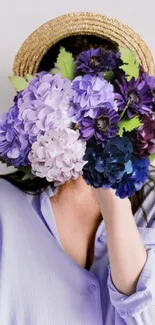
x,y
58,156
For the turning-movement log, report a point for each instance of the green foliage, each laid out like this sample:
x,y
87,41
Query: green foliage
x,y
1,160
29,77
130,64
27,171
129,125
152,157
20,83
28,176
65,64
108,75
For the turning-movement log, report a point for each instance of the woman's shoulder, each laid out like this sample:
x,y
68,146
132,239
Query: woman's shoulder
x,y
10,195
16,206
7,188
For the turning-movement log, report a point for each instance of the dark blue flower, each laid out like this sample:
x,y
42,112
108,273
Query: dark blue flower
x,y
140,172
95,60
107,166
133,182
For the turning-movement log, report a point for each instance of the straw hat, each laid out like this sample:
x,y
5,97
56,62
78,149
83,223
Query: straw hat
x,y
40,41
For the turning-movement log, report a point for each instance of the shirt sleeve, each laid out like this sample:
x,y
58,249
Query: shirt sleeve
x,y
138,308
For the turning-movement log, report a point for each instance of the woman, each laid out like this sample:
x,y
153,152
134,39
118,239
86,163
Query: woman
x,y
76,255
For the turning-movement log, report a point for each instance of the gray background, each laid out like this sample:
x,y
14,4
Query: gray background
x,y
19,18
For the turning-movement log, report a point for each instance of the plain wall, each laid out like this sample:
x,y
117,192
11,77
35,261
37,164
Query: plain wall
x,y
20,18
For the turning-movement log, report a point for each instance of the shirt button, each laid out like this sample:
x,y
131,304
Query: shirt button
x,y
92,288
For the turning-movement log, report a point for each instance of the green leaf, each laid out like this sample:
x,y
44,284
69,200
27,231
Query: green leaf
x,y
27,172
125,109
2,161
130,64
28,176
9,165
152,157
108,75
55,71
29,77
129,125
65,64
20,83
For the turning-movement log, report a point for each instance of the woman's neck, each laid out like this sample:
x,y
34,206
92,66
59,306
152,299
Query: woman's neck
x,y
77,216
76,200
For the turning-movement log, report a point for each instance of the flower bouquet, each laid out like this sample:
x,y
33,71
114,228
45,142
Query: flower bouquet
x,y
93,115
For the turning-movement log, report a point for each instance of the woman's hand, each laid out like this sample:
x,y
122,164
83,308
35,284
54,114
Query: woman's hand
x,y
110,204
127,253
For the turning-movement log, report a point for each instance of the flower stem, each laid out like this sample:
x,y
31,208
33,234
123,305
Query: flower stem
x,y
126,107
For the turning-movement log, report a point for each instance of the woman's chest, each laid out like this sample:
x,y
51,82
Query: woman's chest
x,y
41,284
43,287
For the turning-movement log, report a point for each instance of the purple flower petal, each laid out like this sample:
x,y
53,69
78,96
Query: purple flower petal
x,y
13,153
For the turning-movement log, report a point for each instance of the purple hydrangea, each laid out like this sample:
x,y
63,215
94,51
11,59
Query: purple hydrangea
x,y
90,92
95,60
135,94
104,126
44,104
14,143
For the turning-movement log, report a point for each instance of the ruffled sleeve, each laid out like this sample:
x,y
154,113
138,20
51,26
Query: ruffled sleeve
x,y
138,308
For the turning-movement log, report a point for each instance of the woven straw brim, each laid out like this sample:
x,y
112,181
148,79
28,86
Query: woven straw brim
x,y
37,44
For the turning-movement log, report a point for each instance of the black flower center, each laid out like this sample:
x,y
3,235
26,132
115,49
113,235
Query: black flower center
x,y
134,97
95,61
103,123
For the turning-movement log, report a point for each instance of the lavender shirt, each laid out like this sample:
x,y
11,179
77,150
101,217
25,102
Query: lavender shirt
x,y
41,285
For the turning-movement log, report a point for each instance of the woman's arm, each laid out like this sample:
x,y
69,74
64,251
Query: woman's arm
x,y
131,272
127,253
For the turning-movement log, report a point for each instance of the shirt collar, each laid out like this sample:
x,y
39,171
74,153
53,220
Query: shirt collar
x,y
47,211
